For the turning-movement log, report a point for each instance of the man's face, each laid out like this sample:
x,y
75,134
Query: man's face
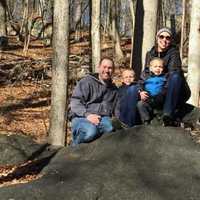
x,y
106,69
163,41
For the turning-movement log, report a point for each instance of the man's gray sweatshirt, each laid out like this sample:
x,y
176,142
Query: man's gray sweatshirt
x,y
91,96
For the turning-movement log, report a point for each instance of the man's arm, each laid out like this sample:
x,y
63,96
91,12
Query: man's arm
x,y
79,98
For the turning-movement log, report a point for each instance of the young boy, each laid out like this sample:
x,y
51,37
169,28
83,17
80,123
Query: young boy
x,y
128,79
153,89
128,76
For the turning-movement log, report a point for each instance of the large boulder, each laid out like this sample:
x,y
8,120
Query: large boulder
x,y
16,149
141,163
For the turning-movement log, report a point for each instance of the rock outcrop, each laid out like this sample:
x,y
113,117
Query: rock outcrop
x,y
141,163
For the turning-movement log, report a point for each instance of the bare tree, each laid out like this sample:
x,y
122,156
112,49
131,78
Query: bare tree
x,y
2,17
132,10
194,53
114,32
59,72
149,26
160,21
144,32
95,34
106,15
77,19
183,23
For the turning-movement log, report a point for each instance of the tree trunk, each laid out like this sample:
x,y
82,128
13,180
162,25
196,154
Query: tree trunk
x,y
95,35
149,27
132,10
90,35
194,53
2,17
173,17
77,19
105,15
59,72
144,32
107,20
119,56
160,15
183,23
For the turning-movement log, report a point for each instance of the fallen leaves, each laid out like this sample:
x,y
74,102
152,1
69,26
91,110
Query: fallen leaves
x,y
23,173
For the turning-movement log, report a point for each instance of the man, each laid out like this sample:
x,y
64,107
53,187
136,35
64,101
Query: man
x,y
93,103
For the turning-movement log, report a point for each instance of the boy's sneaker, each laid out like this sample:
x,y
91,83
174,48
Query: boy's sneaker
x,y
167,121
147,122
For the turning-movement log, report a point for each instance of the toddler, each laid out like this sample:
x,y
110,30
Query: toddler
x,y
152,89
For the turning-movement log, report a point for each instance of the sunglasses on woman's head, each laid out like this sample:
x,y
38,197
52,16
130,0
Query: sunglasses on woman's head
x,y
166,37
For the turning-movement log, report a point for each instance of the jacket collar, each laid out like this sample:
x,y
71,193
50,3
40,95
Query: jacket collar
x,y
95,76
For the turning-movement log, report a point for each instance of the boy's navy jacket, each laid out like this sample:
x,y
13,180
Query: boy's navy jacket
x,y
123,88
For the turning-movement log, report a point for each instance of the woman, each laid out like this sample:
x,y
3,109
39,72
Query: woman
x,y
178,91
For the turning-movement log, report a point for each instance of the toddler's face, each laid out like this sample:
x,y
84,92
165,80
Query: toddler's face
x,y
157,67
128,77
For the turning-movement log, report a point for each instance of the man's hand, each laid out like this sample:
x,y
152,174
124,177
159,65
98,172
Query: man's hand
x,y
94,119
144,95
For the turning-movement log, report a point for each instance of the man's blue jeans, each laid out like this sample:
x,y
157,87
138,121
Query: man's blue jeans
x,y
84,131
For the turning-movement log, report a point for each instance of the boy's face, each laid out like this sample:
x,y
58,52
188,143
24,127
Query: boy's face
x,y
128,77
157,67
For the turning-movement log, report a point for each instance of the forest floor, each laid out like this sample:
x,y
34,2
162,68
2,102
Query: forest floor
x,y
24,106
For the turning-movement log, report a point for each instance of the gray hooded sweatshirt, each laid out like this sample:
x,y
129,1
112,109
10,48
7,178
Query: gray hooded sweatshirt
x,y
91,96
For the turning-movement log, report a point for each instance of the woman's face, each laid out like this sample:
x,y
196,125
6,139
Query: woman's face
x,y
163,41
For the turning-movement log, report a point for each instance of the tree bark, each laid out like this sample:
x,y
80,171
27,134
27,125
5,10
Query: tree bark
x,y
194,53
77,19
59,73
132,10
95,35
115,33
183,22
149,27
2,17
144,32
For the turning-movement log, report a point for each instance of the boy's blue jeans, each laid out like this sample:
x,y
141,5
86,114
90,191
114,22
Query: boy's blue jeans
x,y
128,106
84,131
